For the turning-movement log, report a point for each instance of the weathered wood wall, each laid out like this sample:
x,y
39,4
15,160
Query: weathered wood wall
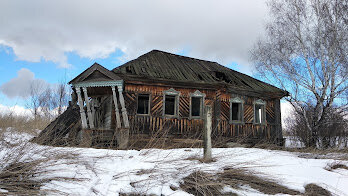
x,y
184,126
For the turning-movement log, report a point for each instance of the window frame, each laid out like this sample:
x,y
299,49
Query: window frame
x,y
197,94
149,105
263,111
241,110
171,92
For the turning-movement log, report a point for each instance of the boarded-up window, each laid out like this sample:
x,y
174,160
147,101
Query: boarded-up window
x,y
196,104
143,104
169,102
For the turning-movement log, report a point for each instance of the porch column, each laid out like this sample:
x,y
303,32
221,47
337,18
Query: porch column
x,y
82,111
118,120
90,118
124,110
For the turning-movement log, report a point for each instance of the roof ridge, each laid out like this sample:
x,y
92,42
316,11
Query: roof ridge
x,y
182,56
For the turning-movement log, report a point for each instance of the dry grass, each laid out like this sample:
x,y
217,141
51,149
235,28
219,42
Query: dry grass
x,y
202,184
26,167
315,190
336,165
163,139
23,123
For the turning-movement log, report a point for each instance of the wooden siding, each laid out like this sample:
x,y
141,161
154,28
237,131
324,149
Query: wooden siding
x,y
184,126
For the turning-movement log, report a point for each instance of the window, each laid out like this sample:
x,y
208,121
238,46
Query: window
x,y
170,103
236,110
259,112
197,104
143,104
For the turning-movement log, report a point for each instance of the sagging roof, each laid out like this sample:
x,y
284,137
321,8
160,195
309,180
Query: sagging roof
x,y
156,65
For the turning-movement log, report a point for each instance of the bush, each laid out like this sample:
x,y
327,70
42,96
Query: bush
x,y
331,133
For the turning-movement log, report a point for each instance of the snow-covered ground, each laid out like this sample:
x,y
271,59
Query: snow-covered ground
x,y
155,171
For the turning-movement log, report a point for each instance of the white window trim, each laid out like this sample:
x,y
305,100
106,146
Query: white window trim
x,y
263,118
175,93
241,101
197,94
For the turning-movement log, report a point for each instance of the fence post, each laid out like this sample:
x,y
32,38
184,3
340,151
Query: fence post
x,y
207,133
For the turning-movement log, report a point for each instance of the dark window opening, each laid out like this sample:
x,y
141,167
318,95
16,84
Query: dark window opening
x,y
143,104
196,106
236,111
259,114
169,102
222,76
200,77
128,69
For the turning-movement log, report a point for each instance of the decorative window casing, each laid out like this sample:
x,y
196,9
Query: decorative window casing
x,y
236,110
171,103
143,104
260,112
197,104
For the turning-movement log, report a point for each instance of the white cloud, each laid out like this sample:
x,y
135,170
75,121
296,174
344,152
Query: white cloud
x,y
221,30
21,85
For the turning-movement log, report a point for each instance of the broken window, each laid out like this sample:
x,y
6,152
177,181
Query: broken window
x,y
143,104
236,110
259,112
169,102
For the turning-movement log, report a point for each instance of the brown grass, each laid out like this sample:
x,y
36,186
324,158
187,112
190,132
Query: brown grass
x,y
23,123
202,184
315,190
336,165
164,139
25,167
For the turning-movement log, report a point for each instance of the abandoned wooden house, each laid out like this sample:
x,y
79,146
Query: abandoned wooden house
x,y
168,92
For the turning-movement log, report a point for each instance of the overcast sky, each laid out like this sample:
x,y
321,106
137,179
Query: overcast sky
x,y
50,40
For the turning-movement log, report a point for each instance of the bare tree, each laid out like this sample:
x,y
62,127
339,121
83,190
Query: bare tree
x,y
45,100
62,97
34,100
305,52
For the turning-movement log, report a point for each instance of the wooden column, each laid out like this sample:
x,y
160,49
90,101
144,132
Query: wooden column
x,y
89,112
118,120
124,110
93,111
82,111
278,122
207,134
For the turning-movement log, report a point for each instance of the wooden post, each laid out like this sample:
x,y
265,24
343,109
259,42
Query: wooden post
x,y
278,122
207,134
118,120
89,112
124,110
82,111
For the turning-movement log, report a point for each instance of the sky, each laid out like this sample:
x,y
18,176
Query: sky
x,y
51,42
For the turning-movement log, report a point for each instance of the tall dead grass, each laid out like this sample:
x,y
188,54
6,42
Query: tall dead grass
x,y
25,167
23,123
